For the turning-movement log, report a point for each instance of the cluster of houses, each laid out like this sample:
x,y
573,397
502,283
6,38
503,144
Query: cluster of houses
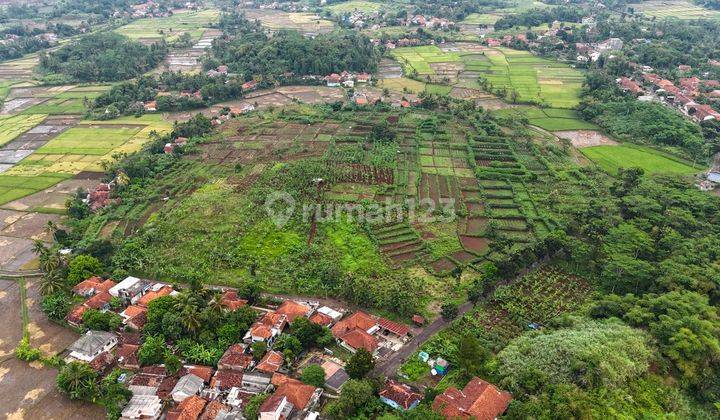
x,y
99,197
592,52
205,392
50,37
347,79
651,86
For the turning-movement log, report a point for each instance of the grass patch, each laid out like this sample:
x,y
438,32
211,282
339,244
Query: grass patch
x,y
611,158
13,126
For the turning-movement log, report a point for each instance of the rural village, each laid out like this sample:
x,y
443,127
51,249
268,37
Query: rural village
x,y
359,209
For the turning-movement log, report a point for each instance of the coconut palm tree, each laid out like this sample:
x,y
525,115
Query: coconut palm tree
x,y
51,283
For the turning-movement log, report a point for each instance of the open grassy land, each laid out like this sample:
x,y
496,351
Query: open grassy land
x,y
512,73
171,27
674,9
481,19
610,158
13,126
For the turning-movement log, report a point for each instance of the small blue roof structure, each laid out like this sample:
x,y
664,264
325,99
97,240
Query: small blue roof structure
x,y
423,356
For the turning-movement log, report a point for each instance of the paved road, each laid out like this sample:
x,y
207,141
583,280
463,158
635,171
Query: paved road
x,y
389,366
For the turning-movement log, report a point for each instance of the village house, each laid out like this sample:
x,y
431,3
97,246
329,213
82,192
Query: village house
x,y
629,85
400,396
291,398
479,400
226,379
189,409
127,356
267,328
335,376
92,345
293,310
255,382
156,290
187,386
333,80
271,362
91,286
150,106
130,290
231,301
235,358
143,407
251,85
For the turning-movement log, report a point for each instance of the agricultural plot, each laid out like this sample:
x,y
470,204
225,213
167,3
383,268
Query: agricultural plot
x,y
13,126
89,140
355,5
306,23
517,75
542,295
611,158
674,9
149,30
550,119
481,19
13,187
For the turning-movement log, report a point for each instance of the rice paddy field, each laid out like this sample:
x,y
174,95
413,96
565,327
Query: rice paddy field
x,y
674,9
79,147
66,101
550,119
482,19
535,79
306,23
355,5
611,158
12,126
171,27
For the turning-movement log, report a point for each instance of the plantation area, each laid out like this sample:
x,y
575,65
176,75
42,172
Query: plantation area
x,y
170,28
550,119
511,74
611,158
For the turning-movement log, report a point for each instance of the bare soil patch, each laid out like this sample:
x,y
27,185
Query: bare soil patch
x,y
586,138
474,244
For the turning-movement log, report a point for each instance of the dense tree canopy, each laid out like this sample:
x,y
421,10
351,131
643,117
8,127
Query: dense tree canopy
x,y
103,57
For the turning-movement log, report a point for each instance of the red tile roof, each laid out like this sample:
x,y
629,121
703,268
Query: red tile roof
x,y
105,285
292,310
271,362
358,338
75,315
85,286
212,410
203,372
152,295
231,300
401,393
357,320
321,319
102,361
99,300
235,358
189,409
225,379
164,391
129,354
298,393
133,311
479,399
395,328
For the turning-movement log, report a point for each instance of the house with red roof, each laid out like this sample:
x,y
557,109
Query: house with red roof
x,y
333,80
400,396
231,301
356,339
479,400
291,398
359,319
321,319
251,85
293,310
92,286
629,85
75,316
189,409
269,327
99,301
235,358
226,379
157,290
271,362
127,356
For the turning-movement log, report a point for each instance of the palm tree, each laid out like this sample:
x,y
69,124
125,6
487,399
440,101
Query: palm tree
x,y
188,307
215,306
77,379
51,283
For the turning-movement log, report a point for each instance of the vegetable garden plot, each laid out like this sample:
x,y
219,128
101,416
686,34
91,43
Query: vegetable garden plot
x,y
542,295
443,266
474,244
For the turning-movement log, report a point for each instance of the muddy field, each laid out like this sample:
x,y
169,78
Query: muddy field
x,y
586,138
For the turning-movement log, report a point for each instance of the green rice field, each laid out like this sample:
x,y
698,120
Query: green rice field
x,y
674,9
550,119
13,126
534,79
13,187
353,5
171,27
611,158
89,141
